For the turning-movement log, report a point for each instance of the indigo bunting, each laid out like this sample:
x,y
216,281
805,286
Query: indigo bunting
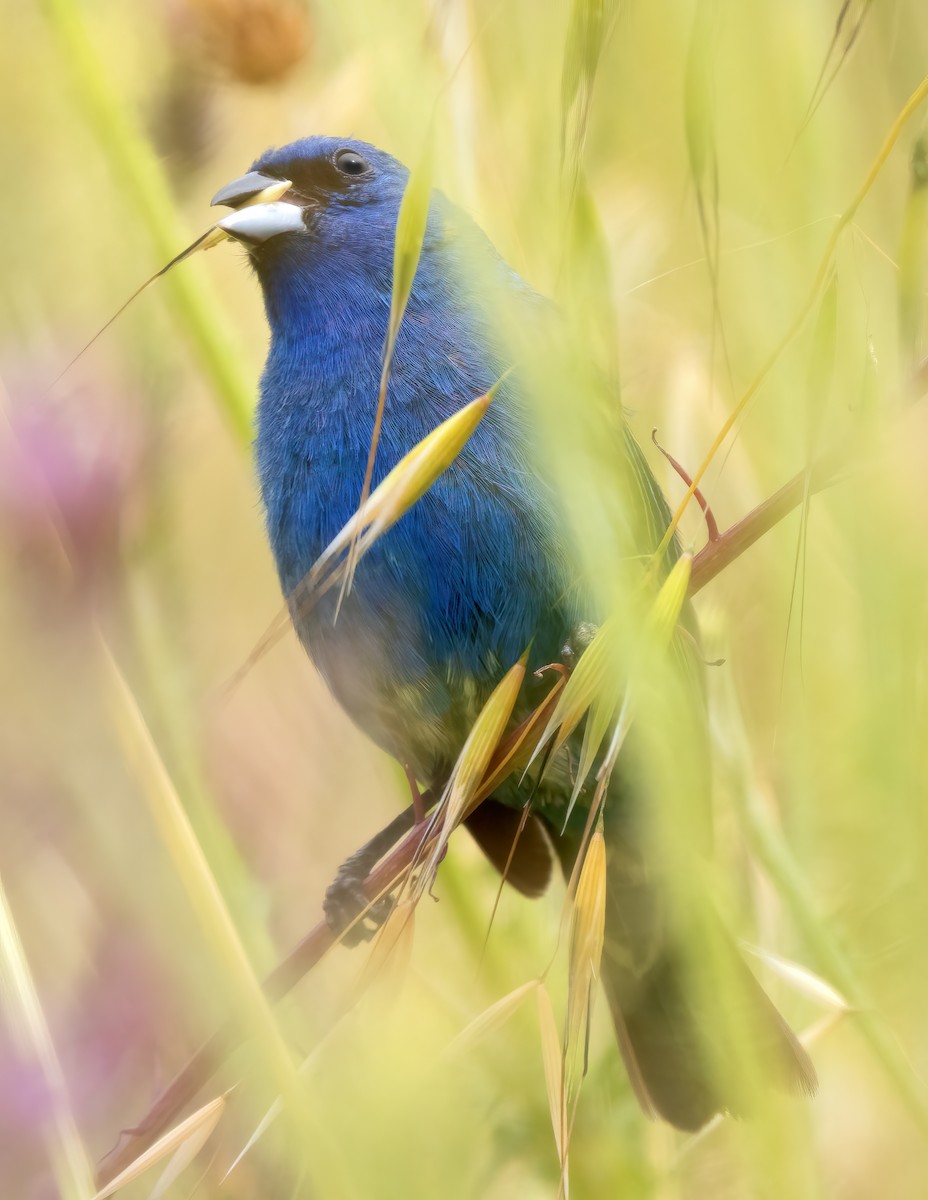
x,y
478,569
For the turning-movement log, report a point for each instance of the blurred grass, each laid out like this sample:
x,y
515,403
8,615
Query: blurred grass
x,y
135,168
702,210
25,1019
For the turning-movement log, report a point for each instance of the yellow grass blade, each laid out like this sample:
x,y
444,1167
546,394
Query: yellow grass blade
x,y
206,241
587,932
184,1156
600,717
518,754
594,692
408,481
387,965
275,1108
472,763
620,732
589,916
267,195
415,473
412,476
186,1139
802,979
815,1032
668,604
554,1078
587,682
410,230
490,1019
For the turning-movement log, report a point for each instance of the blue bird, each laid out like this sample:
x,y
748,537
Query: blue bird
x,y
477,570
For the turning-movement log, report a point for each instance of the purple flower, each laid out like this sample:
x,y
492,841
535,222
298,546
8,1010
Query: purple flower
x,y
67,471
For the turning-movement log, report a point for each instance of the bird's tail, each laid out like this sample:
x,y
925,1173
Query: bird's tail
x,y
689,1053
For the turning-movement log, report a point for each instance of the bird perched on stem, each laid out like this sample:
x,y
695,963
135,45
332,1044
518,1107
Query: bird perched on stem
x,y
481,567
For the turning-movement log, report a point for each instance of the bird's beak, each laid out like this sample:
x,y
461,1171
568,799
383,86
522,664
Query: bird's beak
x,y
260,222
252,188
259,213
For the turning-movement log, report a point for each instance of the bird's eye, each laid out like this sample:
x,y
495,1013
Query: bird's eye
x,y
351,163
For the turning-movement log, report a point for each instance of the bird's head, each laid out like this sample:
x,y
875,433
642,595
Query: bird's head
x,y
342,197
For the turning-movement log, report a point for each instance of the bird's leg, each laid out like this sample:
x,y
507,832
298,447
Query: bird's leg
x,y
418,807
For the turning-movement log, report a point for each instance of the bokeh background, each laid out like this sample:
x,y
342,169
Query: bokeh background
x,y
717,145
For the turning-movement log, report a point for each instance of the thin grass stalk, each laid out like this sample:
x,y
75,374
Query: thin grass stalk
x,y
819,282
913,241
137,171
168,694
835,57
821,370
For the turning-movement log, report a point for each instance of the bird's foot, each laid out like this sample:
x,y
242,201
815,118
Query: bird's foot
x,y
345,902
580,638
346,899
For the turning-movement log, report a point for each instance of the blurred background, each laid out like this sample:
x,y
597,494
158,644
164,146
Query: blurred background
x,y
715,146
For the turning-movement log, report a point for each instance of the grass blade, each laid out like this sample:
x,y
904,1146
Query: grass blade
x,y
587,934
474,759
184,1141
20,1002
410,232
387,965
490,1019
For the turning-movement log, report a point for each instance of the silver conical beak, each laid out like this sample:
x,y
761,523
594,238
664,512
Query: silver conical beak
x,y
249,187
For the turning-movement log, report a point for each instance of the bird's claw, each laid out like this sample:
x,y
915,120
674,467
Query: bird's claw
x,y
345,898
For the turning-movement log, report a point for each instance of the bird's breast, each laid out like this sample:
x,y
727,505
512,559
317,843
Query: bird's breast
x,y
440,607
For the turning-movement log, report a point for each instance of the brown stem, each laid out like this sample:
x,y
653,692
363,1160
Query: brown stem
x,y
716,555
712,559
712,528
